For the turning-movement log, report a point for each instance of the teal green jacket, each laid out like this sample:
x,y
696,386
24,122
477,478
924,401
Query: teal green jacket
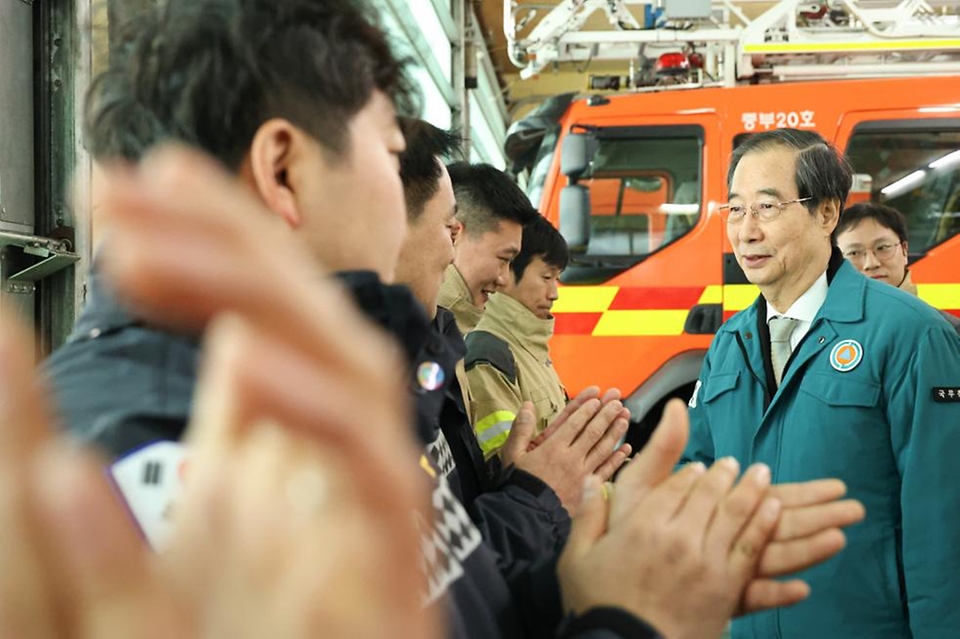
x,y
886,426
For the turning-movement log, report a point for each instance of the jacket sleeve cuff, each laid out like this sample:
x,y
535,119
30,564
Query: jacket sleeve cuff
x,y
511,475
615,620
529,489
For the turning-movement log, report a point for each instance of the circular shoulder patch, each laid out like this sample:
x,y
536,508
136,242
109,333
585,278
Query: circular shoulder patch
x,y
430,376
846,355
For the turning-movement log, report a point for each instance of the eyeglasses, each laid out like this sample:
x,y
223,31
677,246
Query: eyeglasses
x,y
763,211
883,252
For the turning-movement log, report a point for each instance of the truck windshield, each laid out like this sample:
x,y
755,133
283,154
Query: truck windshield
x,y
644,187
915,168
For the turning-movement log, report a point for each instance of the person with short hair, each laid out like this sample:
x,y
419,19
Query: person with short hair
x,y
873,238
314,135
508,353
829,373
297,100
491,212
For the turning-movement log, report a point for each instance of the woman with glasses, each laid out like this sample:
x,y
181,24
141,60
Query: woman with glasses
x,y
873,238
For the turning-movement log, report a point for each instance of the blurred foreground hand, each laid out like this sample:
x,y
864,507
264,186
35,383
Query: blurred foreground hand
x,y
295,520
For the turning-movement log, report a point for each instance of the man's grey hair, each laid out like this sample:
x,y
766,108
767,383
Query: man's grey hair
x,y
822,173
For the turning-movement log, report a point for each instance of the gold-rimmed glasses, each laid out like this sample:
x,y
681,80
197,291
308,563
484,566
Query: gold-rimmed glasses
x,y
762,211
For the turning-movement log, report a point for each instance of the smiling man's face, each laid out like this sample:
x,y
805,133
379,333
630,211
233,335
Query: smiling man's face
x,y
484,260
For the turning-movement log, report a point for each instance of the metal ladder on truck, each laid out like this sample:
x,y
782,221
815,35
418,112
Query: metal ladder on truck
x,y
720,45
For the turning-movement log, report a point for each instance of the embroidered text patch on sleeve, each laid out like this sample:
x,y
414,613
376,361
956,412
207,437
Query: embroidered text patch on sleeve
x,y
946,394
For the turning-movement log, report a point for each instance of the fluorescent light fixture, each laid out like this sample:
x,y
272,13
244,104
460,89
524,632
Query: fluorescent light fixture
x,y
904,184
946,161
679,209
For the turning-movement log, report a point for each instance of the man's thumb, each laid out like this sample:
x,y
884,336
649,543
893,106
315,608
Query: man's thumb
x,y
590,522
523,429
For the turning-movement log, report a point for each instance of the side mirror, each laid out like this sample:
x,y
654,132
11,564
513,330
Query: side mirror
x,y
577,153
575,216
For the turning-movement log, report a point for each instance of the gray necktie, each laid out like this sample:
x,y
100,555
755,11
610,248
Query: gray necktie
x,y
781,328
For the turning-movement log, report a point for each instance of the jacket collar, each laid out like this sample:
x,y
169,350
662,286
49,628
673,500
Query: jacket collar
x,y
446,325
103,311
455,296
846,297
845,301
392,307
508,316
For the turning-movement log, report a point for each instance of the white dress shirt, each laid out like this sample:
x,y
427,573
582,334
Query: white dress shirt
x,y
804,309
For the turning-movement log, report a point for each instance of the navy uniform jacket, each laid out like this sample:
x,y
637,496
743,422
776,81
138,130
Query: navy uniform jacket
x,y
121,384
871,395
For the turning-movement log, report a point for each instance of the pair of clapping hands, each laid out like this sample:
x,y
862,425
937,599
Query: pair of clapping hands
x,y
295,520
683,550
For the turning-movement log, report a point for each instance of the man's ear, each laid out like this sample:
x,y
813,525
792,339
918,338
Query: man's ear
x,y
829,215
267,165
456,231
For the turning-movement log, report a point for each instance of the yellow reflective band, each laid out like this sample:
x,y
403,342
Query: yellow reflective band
x,y
943,296
713,294
826,47
492,446
585,299
737,297
652,322
425,464
493,430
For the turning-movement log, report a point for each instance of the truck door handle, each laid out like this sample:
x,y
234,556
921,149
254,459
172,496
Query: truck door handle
x,y
704,319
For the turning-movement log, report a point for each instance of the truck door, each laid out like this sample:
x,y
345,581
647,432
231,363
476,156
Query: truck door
x,y
646,257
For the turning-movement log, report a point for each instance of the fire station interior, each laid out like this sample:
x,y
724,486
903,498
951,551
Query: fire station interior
x,y
504,72
617,119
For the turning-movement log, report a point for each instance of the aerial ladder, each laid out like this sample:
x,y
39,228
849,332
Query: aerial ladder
x,y
687,43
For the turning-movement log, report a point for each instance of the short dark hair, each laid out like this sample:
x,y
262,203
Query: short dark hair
x,y
540,239
885,216
209,73
419,167
822,172
485,196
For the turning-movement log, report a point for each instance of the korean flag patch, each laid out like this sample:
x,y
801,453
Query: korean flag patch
x,y
150,479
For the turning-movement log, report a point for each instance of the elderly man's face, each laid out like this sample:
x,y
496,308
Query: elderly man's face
x,y
785,255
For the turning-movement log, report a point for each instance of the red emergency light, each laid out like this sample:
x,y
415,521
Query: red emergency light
x,y
672,64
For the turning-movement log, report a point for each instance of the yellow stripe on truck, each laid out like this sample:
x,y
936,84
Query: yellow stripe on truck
x,y
585,299
737,297
942,296
713,294
635,323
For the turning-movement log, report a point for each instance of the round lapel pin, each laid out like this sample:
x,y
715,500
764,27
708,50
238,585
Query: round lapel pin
x,y
846,355
430,376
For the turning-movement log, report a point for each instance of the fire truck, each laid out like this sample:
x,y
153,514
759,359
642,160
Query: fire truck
x,y
634,179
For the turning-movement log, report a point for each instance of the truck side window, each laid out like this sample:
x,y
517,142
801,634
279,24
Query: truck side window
x,y
644,186
915,168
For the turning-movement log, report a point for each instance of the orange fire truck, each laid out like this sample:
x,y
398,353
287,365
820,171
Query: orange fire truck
x,y
634,183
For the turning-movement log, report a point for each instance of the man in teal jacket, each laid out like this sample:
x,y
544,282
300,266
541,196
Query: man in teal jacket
x,y
830,374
